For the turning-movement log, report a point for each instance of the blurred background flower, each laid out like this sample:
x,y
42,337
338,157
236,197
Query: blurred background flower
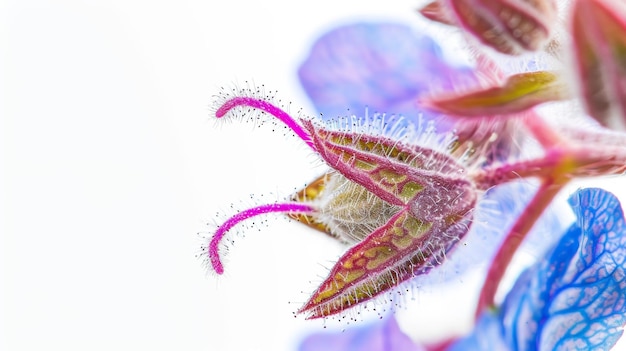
x,y
379,335
383,66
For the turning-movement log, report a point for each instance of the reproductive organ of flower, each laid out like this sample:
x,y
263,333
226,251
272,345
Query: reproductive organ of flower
x,y
403,195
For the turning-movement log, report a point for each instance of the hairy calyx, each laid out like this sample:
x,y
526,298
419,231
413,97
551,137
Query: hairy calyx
x,y
403,206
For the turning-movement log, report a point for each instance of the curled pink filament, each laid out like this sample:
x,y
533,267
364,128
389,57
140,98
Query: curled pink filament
x,y
289,207
269,108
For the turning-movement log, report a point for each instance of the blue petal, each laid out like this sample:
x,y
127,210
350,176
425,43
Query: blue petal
x,y
488,335
385,336
575,298
382,66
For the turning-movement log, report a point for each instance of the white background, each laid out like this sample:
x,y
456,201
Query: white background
x,y
111,164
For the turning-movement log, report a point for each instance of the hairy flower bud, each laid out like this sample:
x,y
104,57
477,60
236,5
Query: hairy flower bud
x,y
397,191
405,206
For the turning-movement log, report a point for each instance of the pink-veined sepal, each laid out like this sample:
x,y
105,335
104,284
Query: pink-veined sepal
x,y
403,248
394,172
516,94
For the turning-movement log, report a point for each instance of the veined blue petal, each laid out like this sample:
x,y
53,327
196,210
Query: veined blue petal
x,y
377,336
382,66
575,298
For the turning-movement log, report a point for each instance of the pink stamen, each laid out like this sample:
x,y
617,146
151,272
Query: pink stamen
x,y
290,207
269,108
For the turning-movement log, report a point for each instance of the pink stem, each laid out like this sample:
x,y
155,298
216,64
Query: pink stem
x,y
568,162
290,207
543,167
548,190
269,108
544,134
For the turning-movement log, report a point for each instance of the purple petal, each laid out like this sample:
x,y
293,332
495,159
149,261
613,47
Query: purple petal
x,y
575,298
382,66
377,336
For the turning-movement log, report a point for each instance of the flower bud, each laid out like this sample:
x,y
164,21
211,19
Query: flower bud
x,y
405,206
